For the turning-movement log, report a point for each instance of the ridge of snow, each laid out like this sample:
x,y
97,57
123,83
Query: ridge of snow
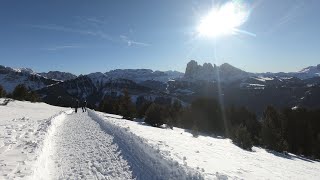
x,y
41,167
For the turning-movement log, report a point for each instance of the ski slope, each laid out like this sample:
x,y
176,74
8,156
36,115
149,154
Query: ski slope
x,y
39,141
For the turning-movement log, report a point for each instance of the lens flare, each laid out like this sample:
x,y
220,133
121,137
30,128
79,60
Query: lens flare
x,y
223,20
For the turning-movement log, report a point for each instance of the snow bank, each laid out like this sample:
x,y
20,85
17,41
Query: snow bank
x,y
146,161
49,127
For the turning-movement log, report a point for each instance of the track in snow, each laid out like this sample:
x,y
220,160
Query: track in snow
x,y
82,150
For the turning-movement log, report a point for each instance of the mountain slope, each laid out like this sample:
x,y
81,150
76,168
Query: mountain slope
x,y
309,72
58,75
10,78
140,75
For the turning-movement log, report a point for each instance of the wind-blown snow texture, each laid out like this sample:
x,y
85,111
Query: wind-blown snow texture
x,y
39,141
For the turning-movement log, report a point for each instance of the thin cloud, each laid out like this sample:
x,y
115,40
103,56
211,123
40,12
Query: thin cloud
x,y
132,42
96,21
97,33
56,48
289,16
91,31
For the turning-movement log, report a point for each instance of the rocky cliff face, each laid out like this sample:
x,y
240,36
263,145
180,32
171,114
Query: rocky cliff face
x,y
207,72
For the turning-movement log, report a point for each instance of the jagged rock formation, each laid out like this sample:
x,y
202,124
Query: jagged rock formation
x,y
207,72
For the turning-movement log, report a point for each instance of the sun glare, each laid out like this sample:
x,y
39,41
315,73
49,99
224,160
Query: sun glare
x,y
223,20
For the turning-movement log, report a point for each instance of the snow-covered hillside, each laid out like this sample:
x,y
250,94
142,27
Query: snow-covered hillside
x,y
23,128
309,72
10,78
39,141
217,158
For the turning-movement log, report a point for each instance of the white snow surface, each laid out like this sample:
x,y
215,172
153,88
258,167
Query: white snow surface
x,y
79,145
263,79
23,127
218,158
39,141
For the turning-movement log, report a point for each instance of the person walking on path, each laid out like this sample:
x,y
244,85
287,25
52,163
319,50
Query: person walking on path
x,y
76,105
84,105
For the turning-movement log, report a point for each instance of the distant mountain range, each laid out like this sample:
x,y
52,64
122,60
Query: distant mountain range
x,y
10,78
225,82
57,75
229,73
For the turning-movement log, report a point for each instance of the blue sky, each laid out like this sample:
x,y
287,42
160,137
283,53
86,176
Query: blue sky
x,y
81,36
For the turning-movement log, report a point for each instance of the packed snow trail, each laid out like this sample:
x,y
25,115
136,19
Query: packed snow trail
x,y
81,150
82,146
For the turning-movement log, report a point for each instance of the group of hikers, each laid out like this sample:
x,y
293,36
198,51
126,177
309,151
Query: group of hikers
x,y
83,106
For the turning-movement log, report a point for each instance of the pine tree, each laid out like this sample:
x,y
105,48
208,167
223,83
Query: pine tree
x,y
126,107
20,92
154,115
242,137
32,96
2,92
271,130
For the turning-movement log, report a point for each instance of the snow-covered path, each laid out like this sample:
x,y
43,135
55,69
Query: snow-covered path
x,y
82,150
83,146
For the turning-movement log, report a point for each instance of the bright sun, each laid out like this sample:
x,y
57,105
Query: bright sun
x,y
223,20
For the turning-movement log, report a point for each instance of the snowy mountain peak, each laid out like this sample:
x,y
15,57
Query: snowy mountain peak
x,y
10,78
98,78
58,75
309,72
25,70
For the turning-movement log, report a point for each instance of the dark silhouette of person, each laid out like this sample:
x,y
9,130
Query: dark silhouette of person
x,y
76,105
84,106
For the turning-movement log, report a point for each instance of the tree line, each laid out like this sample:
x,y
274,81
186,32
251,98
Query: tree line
x,y
21,93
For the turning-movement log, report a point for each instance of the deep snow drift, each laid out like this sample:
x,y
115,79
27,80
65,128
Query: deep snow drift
x,y
39,141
